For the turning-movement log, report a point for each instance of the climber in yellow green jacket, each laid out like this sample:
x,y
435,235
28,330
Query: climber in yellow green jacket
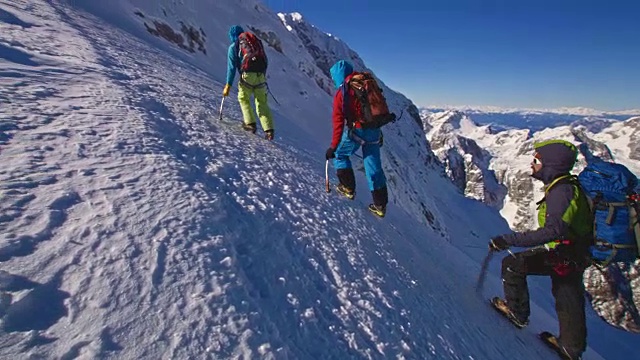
x,y
247,56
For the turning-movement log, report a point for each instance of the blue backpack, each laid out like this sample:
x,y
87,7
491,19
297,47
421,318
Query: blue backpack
x,y
610,188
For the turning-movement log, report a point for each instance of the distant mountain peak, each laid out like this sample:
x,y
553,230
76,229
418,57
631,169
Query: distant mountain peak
x,y
296,16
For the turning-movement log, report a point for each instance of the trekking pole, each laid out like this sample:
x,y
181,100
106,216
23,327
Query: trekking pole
x,y
326,176
270,93
221,104
483,271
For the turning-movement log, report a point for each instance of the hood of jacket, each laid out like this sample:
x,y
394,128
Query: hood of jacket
x,y
234,32
339,71
558,158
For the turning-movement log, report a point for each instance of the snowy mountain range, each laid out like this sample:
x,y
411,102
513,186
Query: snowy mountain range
x,y
134,224
538,119
579,111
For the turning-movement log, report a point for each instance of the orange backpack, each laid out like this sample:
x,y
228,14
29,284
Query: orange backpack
x,y
372,111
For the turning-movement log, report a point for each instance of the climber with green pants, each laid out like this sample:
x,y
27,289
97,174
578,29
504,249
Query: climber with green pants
x,y
247,56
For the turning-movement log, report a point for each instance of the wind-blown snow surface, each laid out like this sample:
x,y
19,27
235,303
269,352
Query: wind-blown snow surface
x,y
133,225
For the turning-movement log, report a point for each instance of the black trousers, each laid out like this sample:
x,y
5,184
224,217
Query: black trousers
x,y
567,290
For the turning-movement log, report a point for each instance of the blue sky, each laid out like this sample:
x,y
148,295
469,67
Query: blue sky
x,y
514,53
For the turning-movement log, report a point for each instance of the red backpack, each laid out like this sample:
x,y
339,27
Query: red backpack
x,y
251,53
371,108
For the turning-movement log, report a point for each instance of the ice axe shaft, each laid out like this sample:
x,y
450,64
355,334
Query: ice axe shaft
x,y
326,176
483,271
221,104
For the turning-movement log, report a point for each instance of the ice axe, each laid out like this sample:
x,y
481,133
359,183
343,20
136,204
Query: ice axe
x,y
221,104
326,176
531,251
485,266
483,271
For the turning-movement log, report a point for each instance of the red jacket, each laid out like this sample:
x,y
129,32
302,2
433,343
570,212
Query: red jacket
x,y
339,117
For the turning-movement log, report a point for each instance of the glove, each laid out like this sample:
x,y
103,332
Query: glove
x,y
498,243
331,153
225,91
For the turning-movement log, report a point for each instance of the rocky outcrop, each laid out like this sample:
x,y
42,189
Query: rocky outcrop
x,y
465,162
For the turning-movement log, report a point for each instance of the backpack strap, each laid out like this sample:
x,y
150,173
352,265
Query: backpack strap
x,y
558,180
240,56
353,136
634,216
603,244
634,224
611,207
345,100
614,251
252,87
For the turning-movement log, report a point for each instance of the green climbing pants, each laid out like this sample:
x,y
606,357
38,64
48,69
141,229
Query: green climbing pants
x,y
254,84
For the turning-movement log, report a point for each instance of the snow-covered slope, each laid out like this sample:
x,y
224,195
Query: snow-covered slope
x,y
135,225
299,85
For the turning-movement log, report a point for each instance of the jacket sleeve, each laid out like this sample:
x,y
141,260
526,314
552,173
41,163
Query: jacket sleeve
x,y
558,201
337,119
232,63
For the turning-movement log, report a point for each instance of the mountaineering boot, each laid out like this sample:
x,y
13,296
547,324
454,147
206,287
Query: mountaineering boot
x,y
249,127
378,210
347,186
343,190
268,134
551,341
501,306
380,197
380,200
